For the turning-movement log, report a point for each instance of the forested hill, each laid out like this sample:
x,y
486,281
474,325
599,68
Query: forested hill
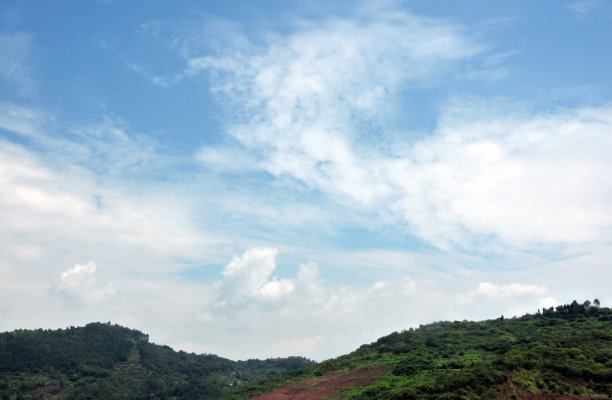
x,y
558,353
104,361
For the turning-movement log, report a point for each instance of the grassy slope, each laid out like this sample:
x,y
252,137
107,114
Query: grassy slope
x,y
102,361
567,351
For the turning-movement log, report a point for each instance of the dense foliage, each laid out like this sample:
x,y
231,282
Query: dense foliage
x,y
562,351
565,350
104,361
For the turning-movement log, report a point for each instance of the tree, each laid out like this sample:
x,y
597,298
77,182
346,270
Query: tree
x,y
587,304
596,303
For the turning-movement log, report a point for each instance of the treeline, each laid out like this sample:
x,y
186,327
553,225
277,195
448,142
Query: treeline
x,y
574,308
102,361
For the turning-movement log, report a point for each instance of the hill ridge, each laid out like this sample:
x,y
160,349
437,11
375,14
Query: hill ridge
x,y
101,360
557,353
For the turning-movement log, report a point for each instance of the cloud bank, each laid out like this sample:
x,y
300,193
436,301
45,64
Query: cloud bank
x,y
324,212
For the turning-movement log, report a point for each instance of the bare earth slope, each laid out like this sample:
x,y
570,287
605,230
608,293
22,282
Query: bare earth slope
x,y
326,386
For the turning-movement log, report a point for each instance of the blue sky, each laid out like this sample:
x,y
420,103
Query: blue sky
x,y
273,178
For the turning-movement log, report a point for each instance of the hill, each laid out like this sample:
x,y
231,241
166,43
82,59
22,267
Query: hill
x,y
104,361
561,353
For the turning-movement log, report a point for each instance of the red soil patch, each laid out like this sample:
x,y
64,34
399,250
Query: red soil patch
x,y
329,385
49,389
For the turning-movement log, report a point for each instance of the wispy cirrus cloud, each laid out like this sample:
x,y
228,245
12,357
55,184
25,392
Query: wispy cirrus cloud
x,y
311,106
584,7
78,189
27,121
308,96
16,64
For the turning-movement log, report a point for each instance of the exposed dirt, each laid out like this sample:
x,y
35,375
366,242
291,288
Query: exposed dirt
x,y
554,397
507,391
50,392
133,370
528,396
48,389
328,386
504,392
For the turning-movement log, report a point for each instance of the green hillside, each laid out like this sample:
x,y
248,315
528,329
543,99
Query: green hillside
x,y
561,353
104,361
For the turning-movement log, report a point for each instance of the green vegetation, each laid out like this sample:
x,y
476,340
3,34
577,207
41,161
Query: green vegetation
x,y
562,351
104,361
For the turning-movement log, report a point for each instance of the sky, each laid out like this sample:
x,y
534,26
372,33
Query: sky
x,y
265,179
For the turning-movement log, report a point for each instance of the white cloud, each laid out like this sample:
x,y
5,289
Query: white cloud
x,y
547,302
304,95
252,306
247,277
45,196
489,289
105,147
526,180
307,106
313,111
510,299
79,283
528,307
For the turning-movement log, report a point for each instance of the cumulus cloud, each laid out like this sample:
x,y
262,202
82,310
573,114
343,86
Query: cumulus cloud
x,y
248,278
251,304
319,317
79,283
